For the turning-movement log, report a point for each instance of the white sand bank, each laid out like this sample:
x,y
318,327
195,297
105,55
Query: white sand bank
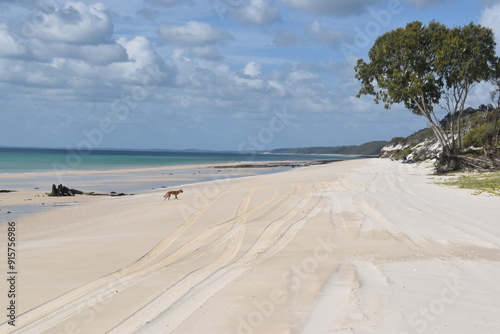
x,y
361,246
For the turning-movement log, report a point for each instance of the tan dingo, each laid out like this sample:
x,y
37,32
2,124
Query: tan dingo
x,y
170,193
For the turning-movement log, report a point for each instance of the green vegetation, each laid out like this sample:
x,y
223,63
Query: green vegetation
x,y
479,128
482,135
371,148
419,66
488,182
424,67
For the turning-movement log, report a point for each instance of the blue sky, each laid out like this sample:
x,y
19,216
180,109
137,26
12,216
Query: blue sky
x,y
219,75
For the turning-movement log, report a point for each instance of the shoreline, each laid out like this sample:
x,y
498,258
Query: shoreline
x,y
364,245
33,190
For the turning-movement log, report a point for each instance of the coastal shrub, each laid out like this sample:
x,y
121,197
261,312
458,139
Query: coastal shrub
x,y
483,135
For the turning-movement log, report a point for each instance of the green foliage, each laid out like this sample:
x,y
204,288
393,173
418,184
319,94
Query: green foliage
x,y
419,65
402,67
465,55
484,135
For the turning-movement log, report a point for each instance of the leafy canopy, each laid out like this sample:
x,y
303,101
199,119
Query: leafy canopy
x,y
416,64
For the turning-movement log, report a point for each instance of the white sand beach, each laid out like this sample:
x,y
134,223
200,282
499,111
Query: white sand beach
x,y
359,246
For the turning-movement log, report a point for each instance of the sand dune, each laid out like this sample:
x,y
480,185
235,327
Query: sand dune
x,y
361,246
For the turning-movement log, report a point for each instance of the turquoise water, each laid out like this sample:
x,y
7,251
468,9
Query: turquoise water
x,y
20,160
34,165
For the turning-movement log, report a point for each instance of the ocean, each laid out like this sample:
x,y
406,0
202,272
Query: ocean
x,y
38,169
38,160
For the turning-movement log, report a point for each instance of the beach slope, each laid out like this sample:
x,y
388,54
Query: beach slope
x,y
359,246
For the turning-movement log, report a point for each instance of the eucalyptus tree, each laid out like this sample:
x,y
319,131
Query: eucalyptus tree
x,y
420,66
464,57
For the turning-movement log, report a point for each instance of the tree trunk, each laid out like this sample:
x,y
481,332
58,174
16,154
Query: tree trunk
x,y
438,130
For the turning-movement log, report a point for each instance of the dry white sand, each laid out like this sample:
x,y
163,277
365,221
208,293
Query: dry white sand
x,y
362,246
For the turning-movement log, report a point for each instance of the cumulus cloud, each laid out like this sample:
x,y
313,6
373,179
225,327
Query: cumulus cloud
x,y
72,55
46,51
76,23
252,69
80,78
193,33
256,12
144,63
331,7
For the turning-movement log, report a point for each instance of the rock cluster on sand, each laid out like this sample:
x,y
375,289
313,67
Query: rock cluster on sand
x,y
63,191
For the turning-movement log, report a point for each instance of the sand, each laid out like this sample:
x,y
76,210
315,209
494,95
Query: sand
x,y
361,246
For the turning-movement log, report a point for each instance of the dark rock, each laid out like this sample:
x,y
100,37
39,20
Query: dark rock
x,y
63,191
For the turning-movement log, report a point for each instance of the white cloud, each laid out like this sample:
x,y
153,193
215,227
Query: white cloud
x,y
88,72
76,23
188,76
139,50
193,33
252,69
145,66
256,12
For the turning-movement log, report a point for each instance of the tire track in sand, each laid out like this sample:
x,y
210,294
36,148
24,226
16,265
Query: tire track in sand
x,y
84,297
59,308
159,313
184,285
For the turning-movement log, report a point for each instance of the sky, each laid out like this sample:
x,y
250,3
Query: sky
x,y
212,75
